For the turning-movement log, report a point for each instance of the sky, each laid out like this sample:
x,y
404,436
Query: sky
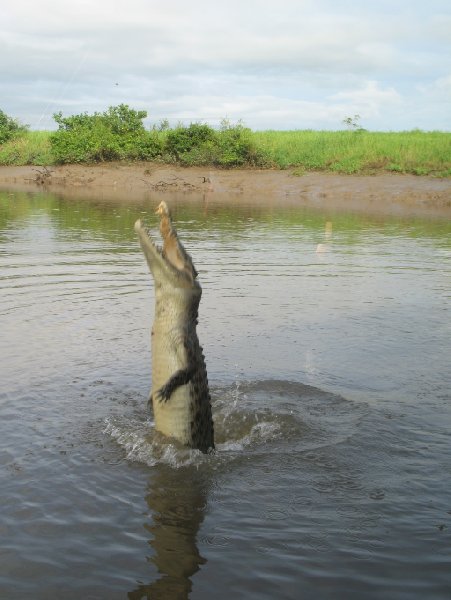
x,y
274,64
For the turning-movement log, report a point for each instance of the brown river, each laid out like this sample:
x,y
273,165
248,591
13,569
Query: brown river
x,y
327,337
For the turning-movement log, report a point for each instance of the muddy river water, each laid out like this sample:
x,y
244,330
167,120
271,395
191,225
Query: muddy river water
x,y
327,340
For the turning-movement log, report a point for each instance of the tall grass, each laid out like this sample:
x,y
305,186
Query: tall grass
x,y
417,152
29,148
352,152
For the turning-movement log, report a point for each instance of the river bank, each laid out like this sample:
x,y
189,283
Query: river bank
x,y
396,194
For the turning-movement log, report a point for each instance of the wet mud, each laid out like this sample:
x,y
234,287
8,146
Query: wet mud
x,y
388,193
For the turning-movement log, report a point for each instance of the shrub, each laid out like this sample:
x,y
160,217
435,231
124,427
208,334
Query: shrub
x,y
115,134
182,140
200,144
9,127
237,148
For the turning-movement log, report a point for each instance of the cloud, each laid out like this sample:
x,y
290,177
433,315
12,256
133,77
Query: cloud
x,y
442,87
369,100
306,58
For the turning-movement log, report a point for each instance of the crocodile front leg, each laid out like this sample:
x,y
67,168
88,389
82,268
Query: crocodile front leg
x,y
180,377
185,351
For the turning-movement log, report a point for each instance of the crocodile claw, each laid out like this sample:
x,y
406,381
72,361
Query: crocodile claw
x,y
163,394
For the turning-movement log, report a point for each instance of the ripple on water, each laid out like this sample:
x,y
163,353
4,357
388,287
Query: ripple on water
x,y
259,417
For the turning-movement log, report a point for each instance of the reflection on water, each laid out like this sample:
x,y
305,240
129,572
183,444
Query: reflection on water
x,y
324,247
177,501
327,343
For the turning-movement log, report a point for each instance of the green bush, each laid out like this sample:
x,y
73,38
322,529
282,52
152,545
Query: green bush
x,y
237,148
115,134
119,134
182,140
9,127
200,144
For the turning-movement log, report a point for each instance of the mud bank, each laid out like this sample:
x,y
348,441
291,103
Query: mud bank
x,y
397,194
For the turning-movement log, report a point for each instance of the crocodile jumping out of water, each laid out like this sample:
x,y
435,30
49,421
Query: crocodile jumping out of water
x,y
180,395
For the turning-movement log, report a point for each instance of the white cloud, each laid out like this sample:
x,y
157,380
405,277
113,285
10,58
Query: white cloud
x,y
314,58
442,86
368,100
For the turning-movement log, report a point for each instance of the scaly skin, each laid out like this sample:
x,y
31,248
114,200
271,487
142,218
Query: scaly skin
x,y
180,395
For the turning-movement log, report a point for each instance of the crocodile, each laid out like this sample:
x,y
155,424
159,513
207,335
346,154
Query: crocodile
x,y
180,395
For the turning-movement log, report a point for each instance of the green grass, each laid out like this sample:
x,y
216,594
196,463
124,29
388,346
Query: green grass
x,y
28,148
351,152
417,152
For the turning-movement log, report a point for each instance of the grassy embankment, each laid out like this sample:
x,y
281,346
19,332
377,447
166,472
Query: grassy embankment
x,y
118,134
417,152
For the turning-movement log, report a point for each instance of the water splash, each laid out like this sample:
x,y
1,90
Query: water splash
x,y
255,418
141,443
